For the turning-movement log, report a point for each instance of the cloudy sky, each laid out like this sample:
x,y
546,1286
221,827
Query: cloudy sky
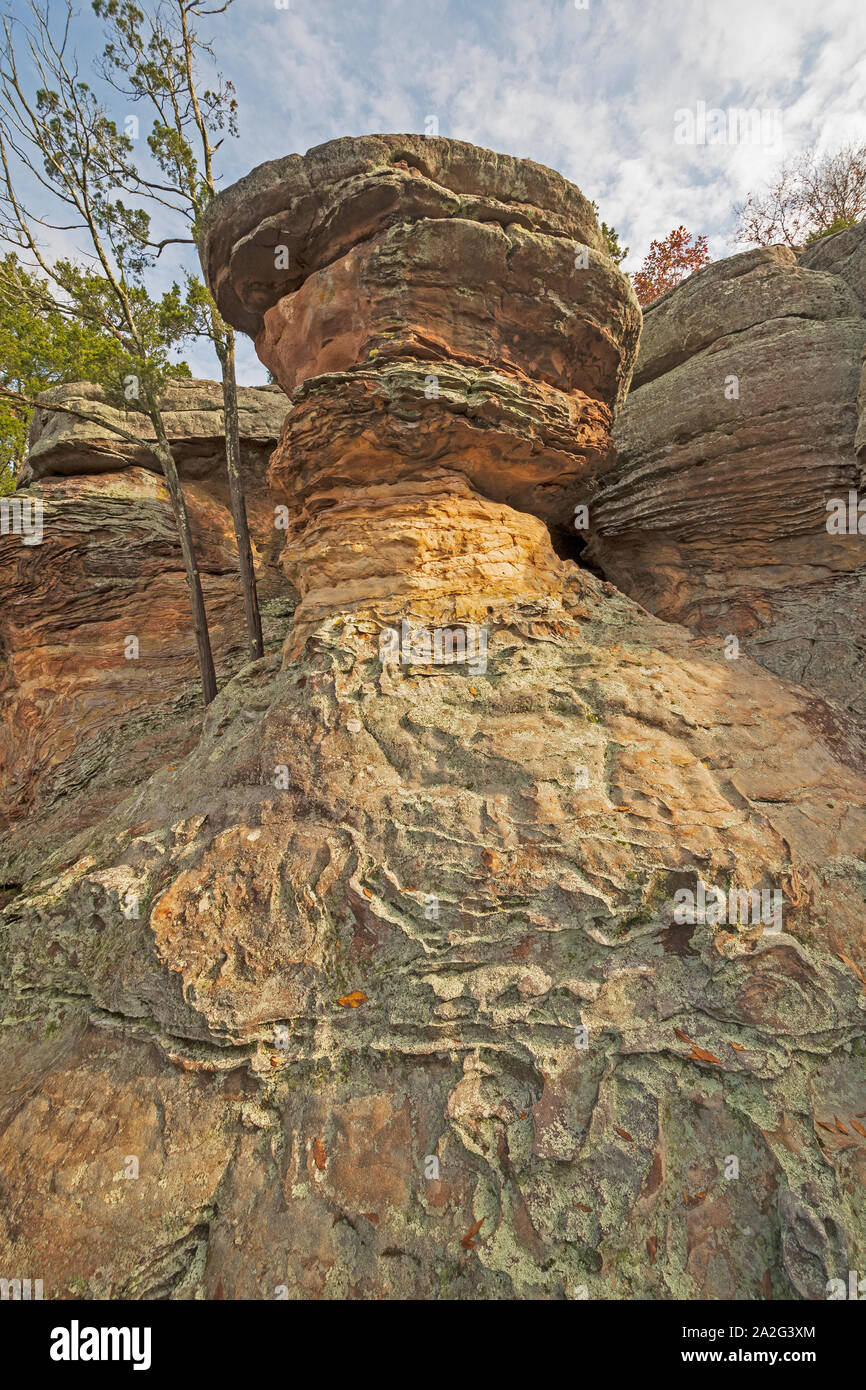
x,y
592,91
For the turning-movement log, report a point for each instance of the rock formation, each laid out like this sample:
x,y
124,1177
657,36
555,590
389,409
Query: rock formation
x,y
426,405
526,963
81,721
62,445
742,424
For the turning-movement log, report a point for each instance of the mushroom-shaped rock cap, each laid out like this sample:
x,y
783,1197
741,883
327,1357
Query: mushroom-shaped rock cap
x,y
316,207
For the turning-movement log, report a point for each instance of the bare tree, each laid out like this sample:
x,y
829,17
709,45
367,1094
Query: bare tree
x,y
62,157
808,197
157,57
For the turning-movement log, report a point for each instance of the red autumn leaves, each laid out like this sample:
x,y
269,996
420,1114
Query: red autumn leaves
x,y
668,262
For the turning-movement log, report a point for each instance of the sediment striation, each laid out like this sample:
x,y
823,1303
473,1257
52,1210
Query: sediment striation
x,y
384,981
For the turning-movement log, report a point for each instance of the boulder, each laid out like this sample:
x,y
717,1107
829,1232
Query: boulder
x,y
431,417
291,217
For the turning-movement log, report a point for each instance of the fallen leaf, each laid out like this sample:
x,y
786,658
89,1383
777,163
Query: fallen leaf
x,y
859,1128
840,1127
683,1037
472,690
351,1001
581,1207
699,1195
368,893
686,1197
832,1128
652,1246
737,1047
467,1242
701,1055
319,1156
624,1134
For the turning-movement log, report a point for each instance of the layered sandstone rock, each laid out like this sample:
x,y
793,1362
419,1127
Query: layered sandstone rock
x,y
451,322
63,445
321,205
82,720
383,983
742,424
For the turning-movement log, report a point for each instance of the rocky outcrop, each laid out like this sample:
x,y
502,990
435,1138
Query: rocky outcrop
x,y
436,969
99,683
62,445
741,427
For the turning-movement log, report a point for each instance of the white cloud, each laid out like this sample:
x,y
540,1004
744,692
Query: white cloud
x,y
590,92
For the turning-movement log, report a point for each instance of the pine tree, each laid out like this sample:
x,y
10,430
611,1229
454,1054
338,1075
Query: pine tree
x,y
62,156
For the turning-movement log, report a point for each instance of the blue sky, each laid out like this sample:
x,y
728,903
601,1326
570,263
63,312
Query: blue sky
x,y
591,91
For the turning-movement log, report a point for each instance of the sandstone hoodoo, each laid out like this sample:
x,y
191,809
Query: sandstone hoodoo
x,y
534,972
458,341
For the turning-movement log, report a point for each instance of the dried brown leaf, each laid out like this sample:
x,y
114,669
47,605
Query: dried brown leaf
x,y
351,1001
468,1242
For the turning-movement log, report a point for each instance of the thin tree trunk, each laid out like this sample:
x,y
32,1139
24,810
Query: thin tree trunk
x,y
255,641
193,579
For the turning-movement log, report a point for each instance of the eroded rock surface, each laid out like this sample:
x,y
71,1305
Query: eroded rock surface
x,y
82,721
392,951
744,420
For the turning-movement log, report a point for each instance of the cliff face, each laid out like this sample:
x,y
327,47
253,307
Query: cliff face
x,y
495,938
745,420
